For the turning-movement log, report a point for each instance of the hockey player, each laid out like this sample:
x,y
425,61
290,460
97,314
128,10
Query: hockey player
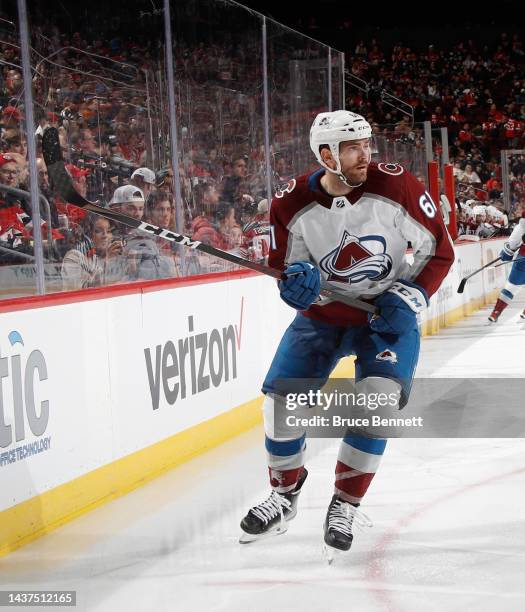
x,y
515,244
348,223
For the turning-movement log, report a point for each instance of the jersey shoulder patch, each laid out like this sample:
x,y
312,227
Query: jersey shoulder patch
x,y
390,168
290,198
285,188
387,180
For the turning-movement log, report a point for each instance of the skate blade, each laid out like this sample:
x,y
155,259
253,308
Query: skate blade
x,y
331,554
247,538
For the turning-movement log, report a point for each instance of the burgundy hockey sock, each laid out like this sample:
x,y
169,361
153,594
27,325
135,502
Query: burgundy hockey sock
x,y
284,481
350,484
498,309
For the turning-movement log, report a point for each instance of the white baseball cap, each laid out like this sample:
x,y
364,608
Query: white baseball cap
x,y
146,174
262,207
127,193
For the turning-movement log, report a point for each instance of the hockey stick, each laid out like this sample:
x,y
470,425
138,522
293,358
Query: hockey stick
x,y
63,185
463,282
510,261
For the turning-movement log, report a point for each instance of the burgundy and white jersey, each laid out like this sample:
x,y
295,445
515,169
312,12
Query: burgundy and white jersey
x,y
359,241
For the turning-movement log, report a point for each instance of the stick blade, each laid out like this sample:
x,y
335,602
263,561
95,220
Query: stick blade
x,y
51,150
60,180
462,284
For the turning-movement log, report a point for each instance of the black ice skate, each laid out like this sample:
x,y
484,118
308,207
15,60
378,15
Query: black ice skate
x,y
338,526
522,315
272,516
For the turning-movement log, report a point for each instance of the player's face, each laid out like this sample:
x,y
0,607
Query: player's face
x,y
355,158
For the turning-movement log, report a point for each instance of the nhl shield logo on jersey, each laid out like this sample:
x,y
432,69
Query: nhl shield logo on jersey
x,y
340,203
387,355
356,259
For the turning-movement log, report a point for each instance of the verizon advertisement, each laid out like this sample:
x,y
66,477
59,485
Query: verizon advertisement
x,y
84,384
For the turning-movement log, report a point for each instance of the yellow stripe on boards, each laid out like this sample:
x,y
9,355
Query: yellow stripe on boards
x,y
40,515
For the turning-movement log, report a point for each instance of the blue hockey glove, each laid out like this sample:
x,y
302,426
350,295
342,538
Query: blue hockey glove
x,y
399,307
301,286
506,252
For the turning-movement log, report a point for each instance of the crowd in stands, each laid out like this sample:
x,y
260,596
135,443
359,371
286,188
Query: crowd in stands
x,y
106,133
106,99
475,90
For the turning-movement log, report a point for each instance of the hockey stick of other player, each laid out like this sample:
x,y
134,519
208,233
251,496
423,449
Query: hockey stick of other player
x,y
463,282
510,261
63,185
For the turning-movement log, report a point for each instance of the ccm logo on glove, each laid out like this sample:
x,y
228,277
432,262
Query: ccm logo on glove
x,y
399,307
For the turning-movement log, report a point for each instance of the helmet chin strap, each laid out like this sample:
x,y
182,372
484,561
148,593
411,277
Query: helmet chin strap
x,y
343,178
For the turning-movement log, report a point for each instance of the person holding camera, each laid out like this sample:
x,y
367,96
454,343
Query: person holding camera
x,y
96,259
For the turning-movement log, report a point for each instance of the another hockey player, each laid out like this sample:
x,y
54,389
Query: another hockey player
x,y
515,247
349,223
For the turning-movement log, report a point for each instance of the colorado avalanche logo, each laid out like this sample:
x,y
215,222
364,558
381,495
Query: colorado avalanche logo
x,y
356,259
387,355
287,187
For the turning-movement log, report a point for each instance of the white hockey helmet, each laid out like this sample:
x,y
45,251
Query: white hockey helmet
x,y
334,128
479,210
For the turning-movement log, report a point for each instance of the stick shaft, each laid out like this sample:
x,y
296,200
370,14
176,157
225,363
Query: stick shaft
x,y
63,185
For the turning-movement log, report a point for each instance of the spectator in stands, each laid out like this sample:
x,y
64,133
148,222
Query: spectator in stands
x,y
15,143
203,230
226,217
11,118
88,142
159,209
14,220
9,171
164,178
144,179
203,227
232,184
206,197
146,258
13,87
43,185
236,241
96,258
143,252
469,176
129,200
79,178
